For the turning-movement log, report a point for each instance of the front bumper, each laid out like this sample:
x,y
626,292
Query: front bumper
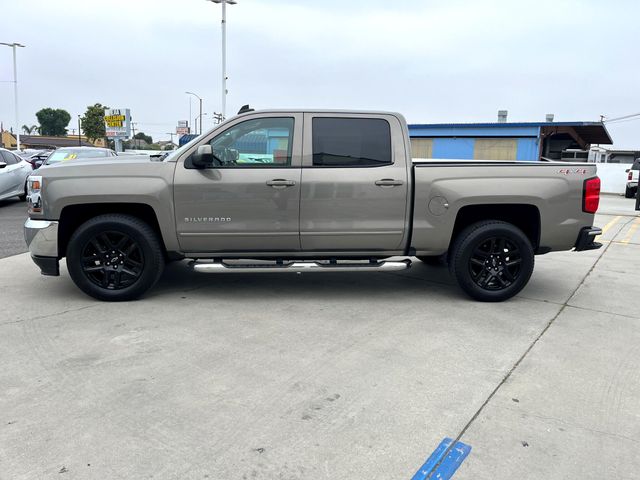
x,y
586,239
42,240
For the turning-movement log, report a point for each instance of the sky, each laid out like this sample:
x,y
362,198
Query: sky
x,y
433,61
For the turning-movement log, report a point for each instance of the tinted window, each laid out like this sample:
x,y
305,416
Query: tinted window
x,y
263,142
9,158
351,142
636,165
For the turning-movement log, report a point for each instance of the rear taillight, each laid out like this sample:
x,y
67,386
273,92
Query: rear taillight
x,y
630,176
591,195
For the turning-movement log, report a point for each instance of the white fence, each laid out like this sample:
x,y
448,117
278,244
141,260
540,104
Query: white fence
x,y
613,177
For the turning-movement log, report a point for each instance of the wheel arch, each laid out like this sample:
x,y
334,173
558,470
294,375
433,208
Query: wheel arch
x,y
72,216
524,216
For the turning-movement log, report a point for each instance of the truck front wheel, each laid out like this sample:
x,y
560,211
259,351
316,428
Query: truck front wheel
x,y
492,260
115,257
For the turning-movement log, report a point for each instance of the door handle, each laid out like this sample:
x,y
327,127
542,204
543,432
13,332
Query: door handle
x,y
388,182
280,183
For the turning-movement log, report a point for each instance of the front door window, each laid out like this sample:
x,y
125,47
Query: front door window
x,y
262,142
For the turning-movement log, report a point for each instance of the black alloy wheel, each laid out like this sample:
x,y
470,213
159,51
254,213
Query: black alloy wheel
x,y
491,260
495,263
115,257
112,260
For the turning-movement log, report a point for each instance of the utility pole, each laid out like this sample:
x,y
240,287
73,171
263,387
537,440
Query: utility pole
x,y
199,116
224,52
79,142
133,128
217,118
172,134
15,88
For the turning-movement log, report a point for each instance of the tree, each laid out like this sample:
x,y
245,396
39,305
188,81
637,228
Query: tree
x,y
142,136
93,122
28,130
53,121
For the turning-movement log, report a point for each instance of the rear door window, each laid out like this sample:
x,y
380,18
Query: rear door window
x,y
351,142
9,158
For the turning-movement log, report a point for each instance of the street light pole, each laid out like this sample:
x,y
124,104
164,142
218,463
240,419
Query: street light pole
x,y
224,52
15,88
200,116
79,142
223,27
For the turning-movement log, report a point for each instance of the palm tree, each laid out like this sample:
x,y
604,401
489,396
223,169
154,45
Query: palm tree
x,y
29,130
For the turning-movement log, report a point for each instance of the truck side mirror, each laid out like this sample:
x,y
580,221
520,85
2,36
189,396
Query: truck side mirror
x,y
203,157
3,164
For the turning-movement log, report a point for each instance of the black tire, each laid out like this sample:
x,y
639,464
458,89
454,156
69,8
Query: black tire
x,y
629,192
23,197
434,260
115,257
492,260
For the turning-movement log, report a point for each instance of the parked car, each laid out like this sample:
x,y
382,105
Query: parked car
x,y
347,198
632,179
13,175
71,153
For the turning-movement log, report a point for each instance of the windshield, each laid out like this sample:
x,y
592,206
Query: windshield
x,y
66,154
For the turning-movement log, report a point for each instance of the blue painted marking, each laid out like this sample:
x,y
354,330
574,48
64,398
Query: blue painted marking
x,y
449,464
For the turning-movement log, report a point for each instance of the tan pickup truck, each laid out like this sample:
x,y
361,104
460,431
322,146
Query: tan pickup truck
x,y
310,191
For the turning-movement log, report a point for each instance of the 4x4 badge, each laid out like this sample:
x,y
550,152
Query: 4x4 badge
x,y
569,171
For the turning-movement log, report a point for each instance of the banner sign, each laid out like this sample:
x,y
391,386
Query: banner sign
x,y
117,122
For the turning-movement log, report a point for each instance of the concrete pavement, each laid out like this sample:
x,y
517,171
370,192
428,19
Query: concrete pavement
x,y
333,376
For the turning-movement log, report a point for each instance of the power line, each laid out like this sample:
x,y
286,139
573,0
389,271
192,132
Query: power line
x,y
611,120
624,121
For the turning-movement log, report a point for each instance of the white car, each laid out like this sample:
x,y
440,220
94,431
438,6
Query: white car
x,y
13,175
632,179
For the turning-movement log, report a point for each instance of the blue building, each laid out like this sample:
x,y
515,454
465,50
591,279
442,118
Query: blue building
x,y
528,141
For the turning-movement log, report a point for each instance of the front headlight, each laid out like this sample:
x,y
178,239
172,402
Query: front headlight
x,y
34,192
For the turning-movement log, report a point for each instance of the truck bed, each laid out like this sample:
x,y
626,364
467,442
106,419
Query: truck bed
x,y
446,187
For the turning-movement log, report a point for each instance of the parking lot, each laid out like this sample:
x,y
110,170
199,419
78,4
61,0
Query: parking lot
x,y
333,376
12,215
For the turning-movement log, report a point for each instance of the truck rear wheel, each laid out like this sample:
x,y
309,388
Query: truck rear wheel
x,y
115,257
492,260
629,192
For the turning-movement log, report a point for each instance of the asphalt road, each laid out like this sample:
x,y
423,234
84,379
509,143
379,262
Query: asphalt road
x,y
13,213
326,376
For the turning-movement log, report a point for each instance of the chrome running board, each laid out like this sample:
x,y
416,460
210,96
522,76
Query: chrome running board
x,y
309,266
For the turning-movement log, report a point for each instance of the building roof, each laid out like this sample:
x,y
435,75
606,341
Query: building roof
x,y
590,132
51,141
